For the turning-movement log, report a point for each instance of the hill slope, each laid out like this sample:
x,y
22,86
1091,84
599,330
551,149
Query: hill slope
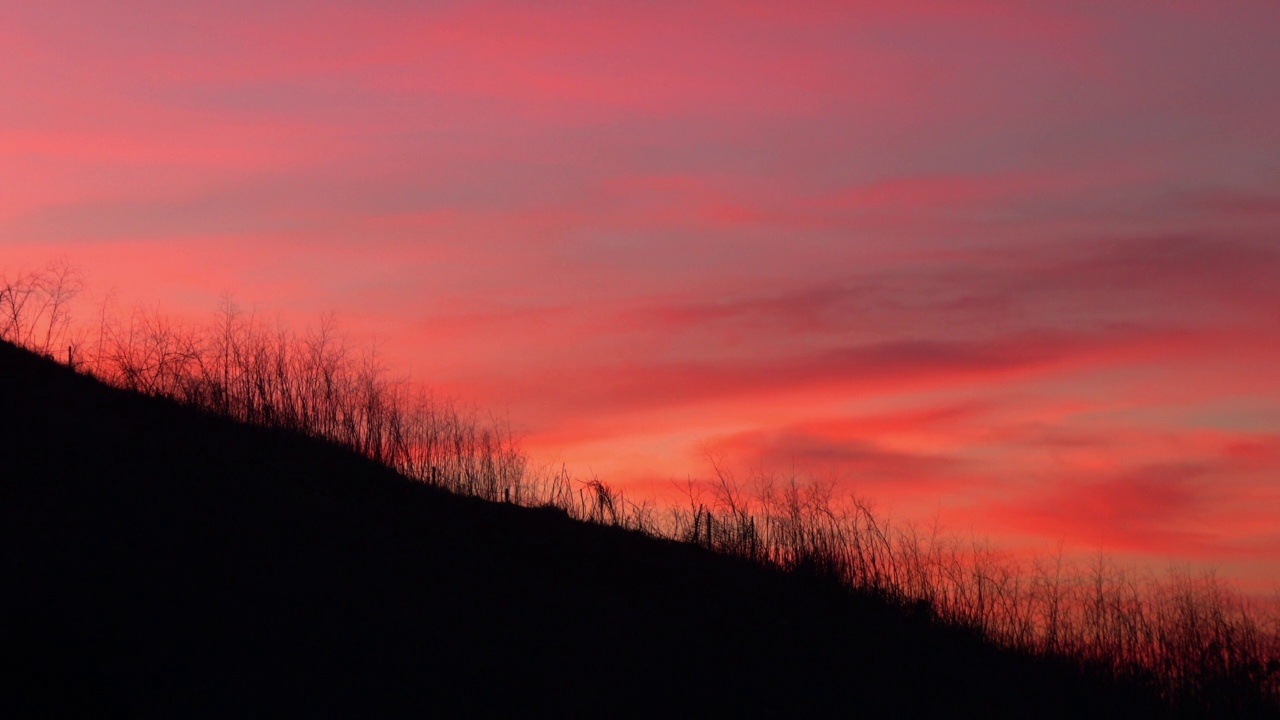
x,y
160,561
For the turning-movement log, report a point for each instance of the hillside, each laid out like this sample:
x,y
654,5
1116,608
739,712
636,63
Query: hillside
x,y
161,561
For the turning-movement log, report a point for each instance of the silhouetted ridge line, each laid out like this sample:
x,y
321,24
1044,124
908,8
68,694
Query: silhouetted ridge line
x,y
163,561
1200,650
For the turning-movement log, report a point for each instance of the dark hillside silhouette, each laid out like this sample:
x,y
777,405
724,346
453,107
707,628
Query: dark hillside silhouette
x,y
164,561
1207,648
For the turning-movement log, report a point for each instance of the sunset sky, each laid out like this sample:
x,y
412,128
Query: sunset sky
x,y
1016,264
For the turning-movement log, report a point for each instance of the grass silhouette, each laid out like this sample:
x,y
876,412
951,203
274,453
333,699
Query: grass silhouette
x,y
254,519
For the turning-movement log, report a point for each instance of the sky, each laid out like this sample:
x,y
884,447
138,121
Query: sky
x,y
1014,265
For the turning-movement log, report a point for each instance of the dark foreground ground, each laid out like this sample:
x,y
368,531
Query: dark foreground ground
x,y
159,561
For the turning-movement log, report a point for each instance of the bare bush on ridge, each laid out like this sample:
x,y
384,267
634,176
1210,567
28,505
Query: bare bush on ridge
x,y
35,307
1204,645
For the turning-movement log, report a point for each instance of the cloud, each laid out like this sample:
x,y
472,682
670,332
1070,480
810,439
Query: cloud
x,y
1210,500
618,387
1142,281
987,318
853,460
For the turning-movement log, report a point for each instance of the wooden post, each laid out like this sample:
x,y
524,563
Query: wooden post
x,y
435,475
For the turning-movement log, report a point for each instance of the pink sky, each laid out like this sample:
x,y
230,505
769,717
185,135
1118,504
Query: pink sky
x,y
1014,263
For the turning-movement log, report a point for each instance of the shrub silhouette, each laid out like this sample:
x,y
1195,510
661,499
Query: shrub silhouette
x,y
35,307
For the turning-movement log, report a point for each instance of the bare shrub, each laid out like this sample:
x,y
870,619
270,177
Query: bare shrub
x,y
1206,646
35,308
